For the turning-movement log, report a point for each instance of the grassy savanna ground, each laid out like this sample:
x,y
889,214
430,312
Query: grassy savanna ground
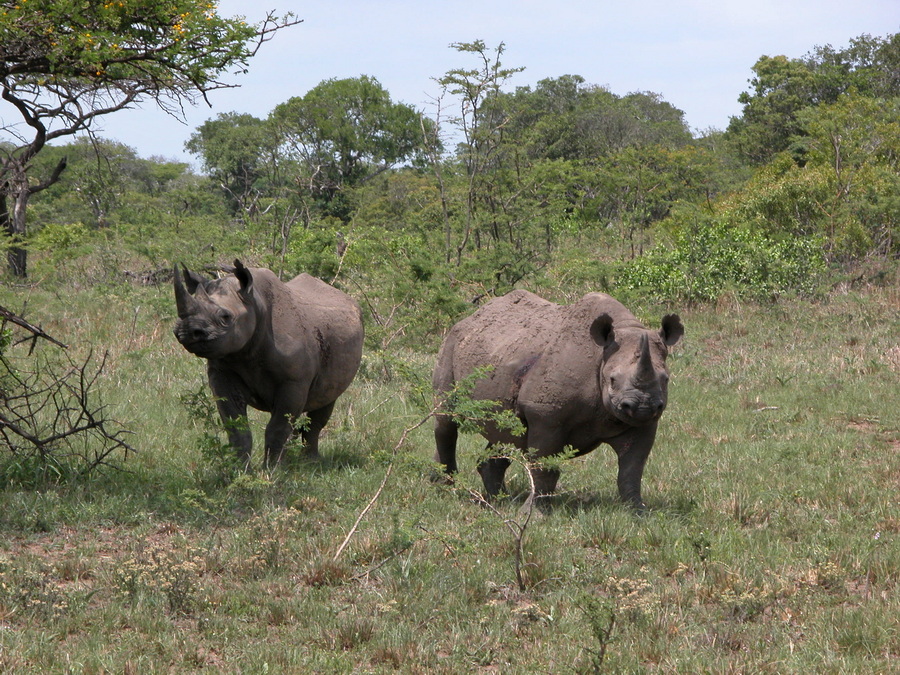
x,y
773,543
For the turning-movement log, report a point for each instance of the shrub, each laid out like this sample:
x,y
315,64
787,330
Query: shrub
x,y
710,259
53,427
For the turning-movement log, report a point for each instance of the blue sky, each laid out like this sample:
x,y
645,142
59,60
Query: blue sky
x,y
697,54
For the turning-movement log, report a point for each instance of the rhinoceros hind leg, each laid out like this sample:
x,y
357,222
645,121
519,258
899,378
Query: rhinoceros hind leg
x,y
544,481
492,471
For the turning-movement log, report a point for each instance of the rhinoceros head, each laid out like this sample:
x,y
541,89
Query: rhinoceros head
x,y
215,318
634,378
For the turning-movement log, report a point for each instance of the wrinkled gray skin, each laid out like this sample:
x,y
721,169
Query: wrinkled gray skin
x,y
284,348
577,375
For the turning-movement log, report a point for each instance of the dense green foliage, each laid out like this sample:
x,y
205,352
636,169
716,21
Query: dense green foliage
x,y
784,88
563,180
709,260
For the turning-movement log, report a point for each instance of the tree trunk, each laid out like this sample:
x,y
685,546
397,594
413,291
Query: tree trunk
x,y
17,259
14,226
16,256
14,223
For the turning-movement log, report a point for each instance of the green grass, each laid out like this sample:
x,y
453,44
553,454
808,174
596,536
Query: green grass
x,y
772,545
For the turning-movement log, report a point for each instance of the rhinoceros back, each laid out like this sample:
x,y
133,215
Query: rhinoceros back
x,y
315,319
505,334
520,333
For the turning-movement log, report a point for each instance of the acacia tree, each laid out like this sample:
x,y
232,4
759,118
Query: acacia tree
x,y
64,63
481,121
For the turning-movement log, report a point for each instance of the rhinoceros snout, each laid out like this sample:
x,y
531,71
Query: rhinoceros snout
x,y
640,412
198,335
191,337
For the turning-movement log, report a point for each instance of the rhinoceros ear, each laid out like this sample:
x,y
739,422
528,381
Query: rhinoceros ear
x,y
602,330
671,330
243,275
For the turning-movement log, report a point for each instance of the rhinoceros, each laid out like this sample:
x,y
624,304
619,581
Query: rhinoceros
x,y
283,348
575,375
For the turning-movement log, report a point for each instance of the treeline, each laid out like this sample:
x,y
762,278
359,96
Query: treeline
x,y
562,185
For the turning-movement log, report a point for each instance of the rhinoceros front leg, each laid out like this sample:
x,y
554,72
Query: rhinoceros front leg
x,y
317,421
445,435
633,448
233,412
278,431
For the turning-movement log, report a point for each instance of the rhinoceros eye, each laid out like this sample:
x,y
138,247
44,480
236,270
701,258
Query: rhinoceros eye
x,y
224,316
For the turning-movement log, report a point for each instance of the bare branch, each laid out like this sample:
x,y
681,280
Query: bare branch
x,y
19,321
50,416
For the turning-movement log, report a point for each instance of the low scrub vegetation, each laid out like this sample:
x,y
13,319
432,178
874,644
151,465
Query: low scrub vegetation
x,y
772,543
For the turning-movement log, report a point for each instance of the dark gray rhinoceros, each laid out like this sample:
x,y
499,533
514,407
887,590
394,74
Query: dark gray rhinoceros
x,y
284,348
577,375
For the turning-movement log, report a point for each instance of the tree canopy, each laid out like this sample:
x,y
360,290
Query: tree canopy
x,y
342,132
565,118
783,86
561,184
64,63
234,149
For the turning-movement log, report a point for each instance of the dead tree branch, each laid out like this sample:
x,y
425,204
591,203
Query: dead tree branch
x,y
52,424
35,330
387,475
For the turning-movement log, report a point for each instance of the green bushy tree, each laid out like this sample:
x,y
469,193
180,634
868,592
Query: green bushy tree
x,y
340,134
783,87
844,193
65,63
237,151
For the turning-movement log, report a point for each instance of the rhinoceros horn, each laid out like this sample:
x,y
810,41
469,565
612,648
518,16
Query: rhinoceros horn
x,y
644,371
184,301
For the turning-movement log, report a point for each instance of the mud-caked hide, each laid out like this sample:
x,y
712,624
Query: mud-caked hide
x,y
576,376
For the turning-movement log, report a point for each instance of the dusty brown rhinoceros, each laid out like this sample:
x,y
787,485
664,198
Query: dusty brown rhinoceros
x,y
284,348
576,376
